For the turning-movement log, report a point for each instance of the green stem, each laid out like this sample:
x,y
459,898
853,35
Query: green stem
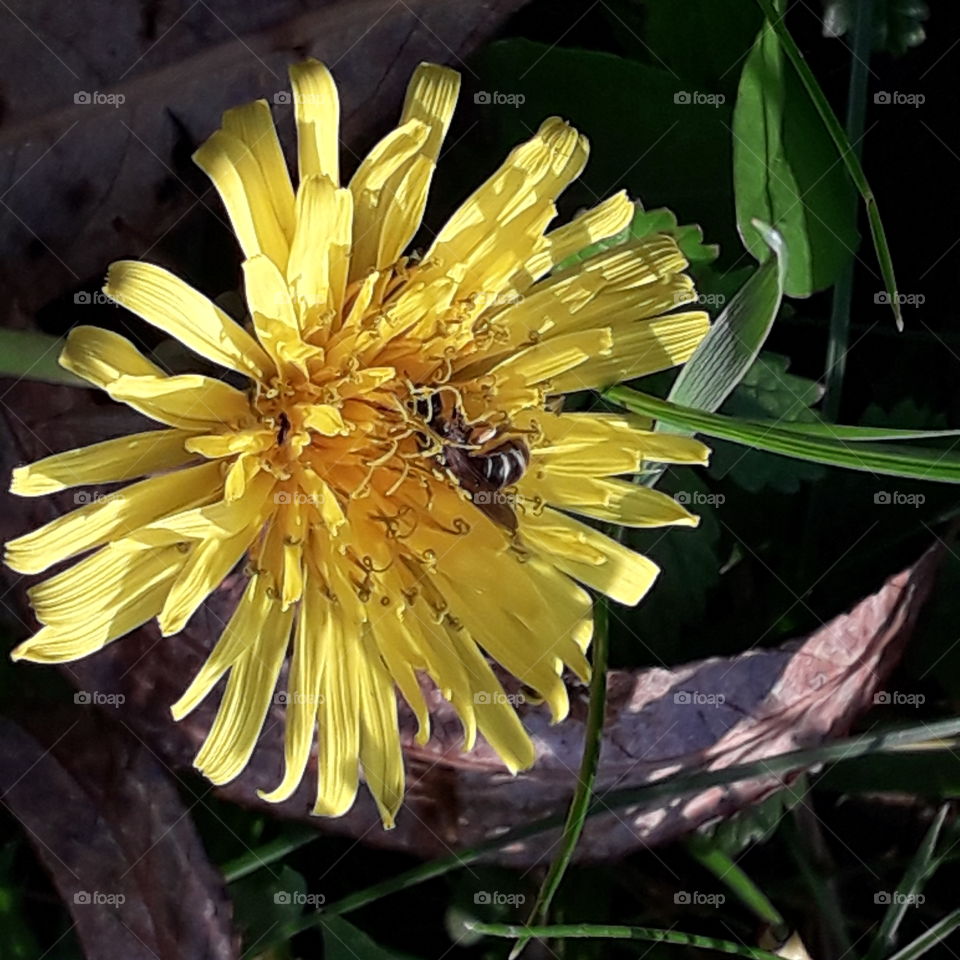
x,y
579,805
614,932
856,111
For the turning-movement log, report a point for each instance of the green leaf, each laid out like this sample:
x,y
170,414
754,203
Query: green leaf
x,y
768,392
689,237
785,172
343,941
734,340
889,460
715,858
849,156
756,823
670,152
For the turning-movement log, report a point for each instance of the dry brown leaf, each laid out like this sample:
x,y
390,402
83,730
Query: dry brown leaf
x,y
83,183
107,822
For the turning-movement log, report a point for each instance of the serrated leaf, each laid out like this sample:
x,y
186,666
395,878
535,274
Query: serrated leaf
x,y
689,237
769,392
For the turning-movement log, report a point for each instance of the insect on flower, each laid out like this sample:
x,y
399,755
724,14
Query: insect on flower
x,y
384,395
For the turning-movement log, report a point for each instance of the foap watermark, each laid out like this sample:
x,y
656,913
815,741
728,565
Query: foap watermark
x,y
697,498
498,696
697,698
881,297
682,297
298,897
898,98
295,496
284,697
98,99
95,698
487,497
886,897
98,898
496,898
696,898
83,498
896,498
285,97
698,98
93,298
896,698
497,98
487,299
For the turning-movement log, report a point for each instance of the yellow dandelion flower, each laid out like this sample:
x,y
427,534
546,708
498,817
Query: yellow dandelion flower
x,y
395,473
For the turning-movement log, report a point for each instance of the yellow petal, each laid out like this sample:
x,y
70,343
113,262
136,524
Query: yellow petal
x,y
502,222
248,199
124,458
338,714
380,752
313,642
176,308
246,700
111,517
98,600
317,110
638,349
371,189
431,99
253,124
589,556
209,561
319,255
241,633
629,504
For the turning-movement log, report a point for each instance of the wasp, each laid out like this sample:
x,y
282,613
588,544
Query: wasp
x,y
470,452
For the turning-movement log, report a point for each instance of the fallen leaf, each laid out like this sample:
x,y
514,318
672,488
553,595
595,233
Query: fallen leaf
x,y
101,106
106,820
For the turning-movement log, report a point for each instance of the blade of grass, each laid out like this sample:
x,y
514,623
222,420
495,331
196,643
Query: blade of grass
x,y
577,813
613,932
818,871
715,859
850,159
916,875
254,860
930,938
840,307
940,465
735,338
866,743
840,432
